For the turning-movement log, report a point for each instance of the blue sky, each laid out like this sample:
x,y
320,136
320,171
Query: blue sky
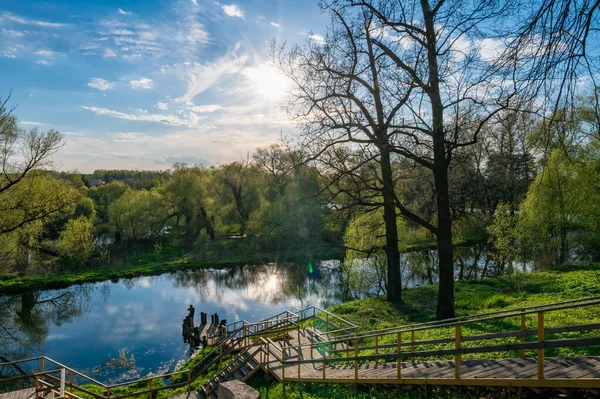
x,y
143,84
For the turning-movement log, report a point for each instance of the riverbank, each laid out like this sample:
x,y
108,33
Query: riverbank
x,y
140,261
471,297
144,260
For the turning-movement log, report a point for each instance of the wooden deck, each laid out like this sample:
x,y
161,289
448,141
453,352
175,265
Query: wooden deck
x,y
22,394
582,372
556,368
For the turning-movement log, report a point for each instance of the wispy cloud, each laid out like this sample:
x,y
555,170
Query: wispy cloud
x,y
204,108
46,53
192,119
100,84
275,24
123,12
202,76
143,83
25,21
108,52
232,10
162,106
317,38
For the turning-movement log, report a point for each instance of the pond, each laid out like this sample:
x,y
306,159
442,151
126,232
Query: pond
x,y
119,331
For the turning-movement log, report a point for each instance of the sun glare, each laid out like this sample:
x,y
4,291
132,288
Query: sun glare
x,y
268,81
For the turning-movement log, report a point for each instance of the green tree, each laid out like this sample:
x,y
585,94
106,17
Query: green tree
x,y
560,217
77,239
138,215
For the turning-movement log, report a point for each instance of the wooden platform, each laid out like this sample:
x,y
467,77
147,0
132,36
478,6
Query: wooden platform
x,y
499,372
556,368
22,394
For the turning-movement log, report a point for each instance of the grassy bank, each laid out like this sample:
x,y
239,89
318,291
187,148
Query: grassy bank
x,y
140,260
471,298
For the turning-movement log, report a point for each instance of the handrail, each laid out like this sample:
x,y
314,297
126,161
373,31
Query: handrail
x,y
458,350
462,319
476,318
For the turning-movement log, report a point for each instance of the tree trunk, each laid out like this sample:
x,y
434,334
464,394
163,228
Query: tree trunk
x,y
445,305
394,289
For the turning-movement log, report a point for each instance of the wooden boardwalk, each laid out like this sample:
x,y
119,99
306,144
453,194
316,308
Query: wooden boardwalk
x,y
583,372
21,394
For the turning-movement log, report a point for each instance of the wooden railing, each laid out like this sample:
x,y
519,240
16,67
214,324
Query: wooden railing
x,y
456,338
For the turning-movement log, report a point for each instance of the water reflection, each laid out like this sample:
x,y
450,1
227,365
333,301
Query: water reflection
x,y
95,327
27,321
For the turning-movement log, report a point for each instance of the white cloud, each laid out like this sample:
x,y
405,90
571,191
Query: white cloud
x,y
204,108
43,62
194,2
123,12
125,136
30,123
162,106
172,120
121,32
100,84
232,10
202,76
46,53
109,53
26,21
143,83
317,38
491,49
275,24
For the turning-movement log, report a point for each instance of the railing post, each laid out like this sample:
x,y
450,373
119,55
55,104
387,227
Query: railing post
x,y
522,338
347,348
457,357
41,368
412,345
268,358
312,347
108,393
298,360
324,365
326,321
355,359
150,389
399,360
540,354
70,380
377,344
283,364
37,387
63,376
220,356
189,381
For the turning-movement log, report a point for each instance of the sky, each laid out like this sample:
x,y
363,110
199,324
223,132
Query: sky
x,y
142,84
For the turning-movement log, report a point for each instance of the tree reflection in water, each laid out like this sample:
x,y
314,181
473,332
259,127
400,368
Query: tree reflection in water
x,y
270,283
25,319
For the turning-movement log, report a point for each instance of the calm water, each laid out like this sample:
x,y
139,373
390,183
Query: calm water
x,y
86,326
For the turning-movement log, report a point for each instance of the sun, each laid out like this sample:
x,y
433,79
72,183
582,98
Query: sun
x,y
268,82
